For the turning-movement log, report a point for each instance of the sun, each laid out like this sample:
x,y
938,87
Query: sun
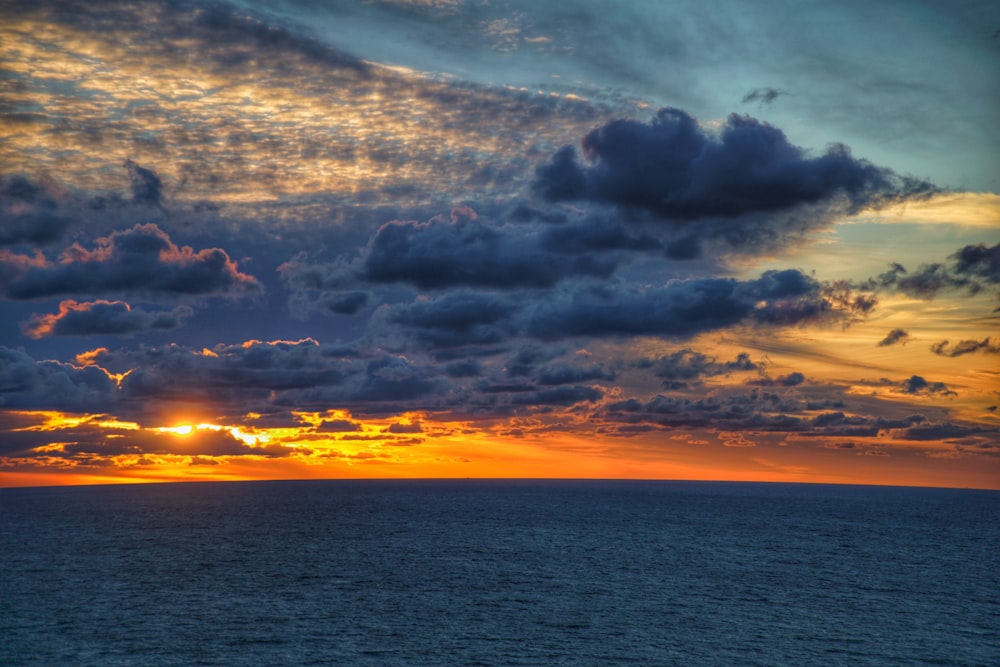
x,y
184,429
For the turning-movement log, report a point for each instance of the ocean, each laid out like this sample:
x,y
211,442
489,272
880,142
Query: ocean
x,y
478,572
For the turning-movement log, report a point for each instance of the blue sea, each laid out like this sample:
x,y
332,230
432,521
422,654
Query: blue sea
x,y
499,573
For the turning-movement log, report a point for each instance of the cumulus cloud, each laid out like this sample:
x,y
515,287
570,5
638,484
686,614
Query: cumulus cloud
x,y
464,250
52,385
457,318
142,260
103,317
675,170
896,336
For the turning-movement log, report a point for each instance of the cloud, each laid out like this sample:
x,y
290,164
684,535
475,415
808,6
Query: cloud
x,y
147,189
790,380
684,308
972,268
681,367
675,170
347,303
918,385
52,385
895,336
102,317
457,318
414,427
338,426
960,348
142,260
31,212
464,250
763,95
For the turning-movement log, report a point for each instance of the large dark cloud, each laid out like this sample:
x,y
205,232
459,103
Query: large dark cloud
x,y
142,260
103,317
675,170
458,318
684,308
464,250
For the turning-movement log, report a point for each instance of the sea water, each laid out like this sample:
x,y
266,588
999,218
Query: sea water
x,y
498,573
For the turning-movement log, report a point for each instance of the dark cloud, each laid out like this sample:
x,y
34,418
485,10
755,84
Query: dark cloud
x,y
51,385
147,188
682,367
790,380
393,378
467,368
918,385
780,409
103,317
338,426
684,308
347,303
893,337
414,427
960,348
559,396
560,374
944,431
31,211
763,95
227,379
458,318
465,250
972,268
675,170
142,260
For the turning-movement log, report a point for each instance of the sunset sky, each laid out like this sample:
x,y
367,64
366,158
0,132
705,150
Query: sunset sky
x,y
490,238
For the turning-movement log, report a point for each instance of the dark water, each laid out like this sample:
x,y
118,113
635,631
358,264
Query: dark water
x,y
498,573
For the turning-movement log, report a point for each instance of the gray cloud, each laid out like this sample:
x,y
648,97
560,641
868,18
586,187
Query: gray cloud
x,y
31,212
103,317
682,367
675,170
684,308
916,384
142,260
895,336
51,385
147,188
986,345
972,269
763,95
463,250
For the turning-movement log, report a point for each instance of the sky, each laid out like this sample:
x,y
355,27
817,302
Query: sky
x,y
754,241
